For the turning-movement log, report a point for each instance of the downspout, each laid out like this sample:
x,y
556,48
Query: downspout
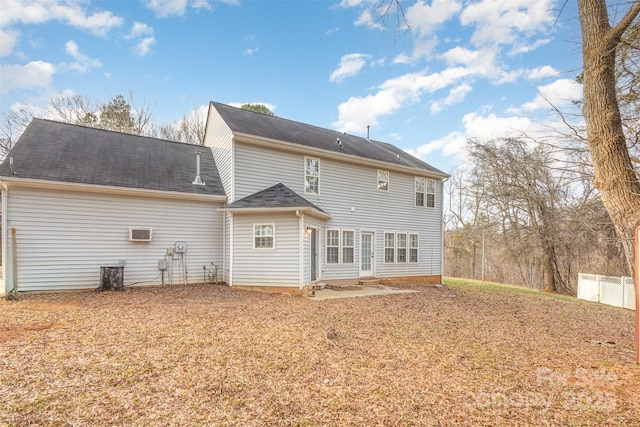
x,y
442,232
6,270
14,261
301,240
231,244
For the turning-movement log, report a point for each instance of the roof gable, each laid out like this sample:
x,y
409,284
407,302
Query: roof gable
x,y
62,152
275,128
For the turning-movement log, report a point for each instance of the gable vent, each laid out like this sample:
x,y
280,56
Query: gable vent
x,y
140,234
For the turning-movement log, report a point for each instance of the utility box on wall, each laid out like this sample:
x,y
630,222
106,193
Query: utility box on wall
x,y
111,278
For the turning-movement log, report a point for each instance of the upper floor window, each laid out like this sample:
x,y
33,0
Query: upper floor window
x,y
311,175
431,193
425,192
383,180
263,235
420,187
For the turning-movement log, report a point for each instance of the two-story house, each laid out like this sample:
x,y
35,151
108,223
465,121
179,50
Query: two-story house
x,y
271,202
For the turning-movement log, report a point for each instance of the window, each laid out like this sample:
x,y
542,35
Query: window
x,y
402,247
347,247
389,247
311,175
383,180
263,236
333,246
431,193
420,186
413,248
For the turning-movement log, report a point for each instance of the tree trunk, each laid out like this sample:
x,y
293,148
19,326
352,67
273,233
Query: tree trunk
x,y
615,176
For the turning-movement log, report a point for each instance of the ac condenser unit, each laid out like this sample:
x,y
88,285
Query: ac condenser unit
x,y
140,234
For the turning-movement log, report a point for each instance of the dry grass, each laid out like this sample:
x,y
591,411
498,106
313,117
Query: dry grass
x,y
211,355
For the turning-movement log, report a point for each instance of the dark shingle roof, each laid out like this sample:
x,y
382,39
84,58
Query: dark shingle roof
x,y
54,151
277,196
262,125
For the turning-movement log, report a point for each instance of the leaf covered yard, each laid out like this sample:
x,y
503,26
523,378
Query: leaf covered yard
x,y
212,355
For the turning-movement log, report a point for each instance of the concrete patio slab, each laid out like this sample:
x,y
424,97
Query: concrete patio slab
x,y
353,291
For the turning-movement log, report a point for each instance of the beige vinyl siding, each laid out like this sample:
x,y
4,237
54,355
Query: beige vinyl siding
x,y
279,266
219,139
64,237
350,195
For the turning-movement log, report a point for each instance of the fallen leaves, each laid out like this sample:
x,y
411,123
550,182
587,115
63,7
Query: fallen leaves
x,y
208,354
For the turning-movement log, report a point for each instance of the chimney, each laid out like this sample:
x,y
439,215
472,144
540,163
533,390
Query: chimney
x,y
368,133
198,180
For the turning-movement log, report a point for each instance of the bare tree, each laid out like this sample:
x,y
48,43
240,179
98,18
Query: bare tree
x,y
528,192
190,129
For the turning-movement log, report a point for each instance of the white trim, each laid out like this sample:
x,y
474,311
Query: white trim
x,y
304,209
305,175
326,246
301,240
406,248
388,181
373,253
107,189
273,235
5,232
415,191
409,248
231,249
342,246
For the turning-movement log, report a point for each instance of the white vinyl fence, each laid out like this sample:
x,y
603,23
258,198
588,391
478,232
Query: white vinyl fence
x,y
611,290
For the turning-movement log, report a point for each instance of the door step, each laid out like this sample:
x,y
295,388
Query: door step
x,y
369,282
313,287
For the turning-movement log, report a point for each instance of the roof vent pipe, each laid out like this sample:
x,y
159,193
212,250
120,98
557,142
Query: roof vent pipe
x,y
368,133
13,171
198,180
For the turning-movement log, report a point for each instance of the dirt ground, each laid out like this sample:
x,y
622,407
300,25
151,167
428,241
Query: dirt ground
x,y
211,355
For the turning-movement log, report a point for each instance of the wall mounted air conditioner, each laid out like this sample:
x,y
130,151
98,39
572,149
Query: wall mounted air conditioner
x,y
140,234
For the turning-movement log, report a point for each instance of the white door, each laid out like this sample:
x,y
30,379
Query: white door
x,y
367,253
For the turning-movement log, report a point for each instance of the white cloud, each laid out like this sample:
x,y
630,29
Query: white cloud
x,y
356,113
560,93
32,75
201,4
424,48
543,72
402,59
70,13
456,95
251,51
8,39
83,62
367,19
497,21
426,18
165,8
527,46
483,127
144,46
349,66
140,29
451,144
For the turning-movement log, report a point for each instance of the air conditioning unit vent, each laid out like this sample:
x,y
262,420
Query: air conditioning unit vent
x,y
140,234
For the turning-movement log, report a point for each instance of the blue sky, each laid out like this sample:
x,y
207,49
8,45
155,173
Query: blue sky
x,y
468,69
